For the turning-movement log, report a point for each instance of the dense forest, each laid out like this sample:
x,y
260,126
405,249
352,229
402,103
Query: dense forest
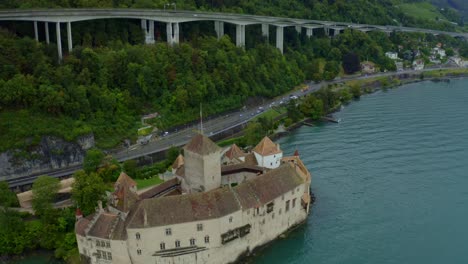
x,y
110,78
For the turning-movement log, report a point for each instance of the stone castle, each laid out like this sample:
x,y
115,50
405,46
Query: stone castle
x,y
219,206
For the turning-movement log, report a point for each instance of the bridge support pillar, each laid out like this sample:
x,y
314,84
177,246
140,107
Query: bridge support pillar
x,y
240,35
309,32
148,30
336,32
298,29
279,38
219,28
69,37
36,32
47,32
59,41
266,31
172,30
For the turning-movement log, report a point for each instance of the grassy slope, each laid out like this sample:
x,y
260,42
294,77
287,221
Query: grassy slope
x,y
422,10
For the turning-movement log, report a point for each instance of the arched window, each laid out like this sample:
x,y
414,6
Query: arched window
x,y
137,235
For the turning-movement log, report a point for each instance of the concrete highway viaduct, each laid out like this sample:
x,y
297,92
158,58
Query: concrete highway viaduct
x,y
172,19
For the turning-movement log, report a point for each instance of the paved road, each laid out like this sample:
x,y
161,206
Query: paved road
x,y
211,126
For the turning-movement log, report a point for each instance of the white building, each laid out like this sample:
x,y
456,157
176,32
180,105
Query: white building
x,y
268,154
418,64
209,223
392,55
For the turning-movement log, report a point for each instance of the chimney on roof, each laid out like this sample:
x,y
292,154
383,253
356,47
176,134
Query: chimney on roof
x,y
78,214
101,210
296,153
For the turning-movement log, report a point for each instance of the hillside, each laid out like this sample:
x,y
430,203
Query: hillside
x,y
111,79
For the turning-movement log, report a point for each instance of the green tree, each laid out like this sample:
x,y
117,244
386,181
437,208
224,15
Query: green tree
x,y
7,197
253,133
93,160
88,189
312,107
351,63
356,91
293,111
44,189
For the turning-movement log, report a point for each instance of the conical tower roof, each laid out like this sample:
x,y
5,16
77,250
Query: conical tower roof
x,y
234,152
202,145
125,180
178,162
266,147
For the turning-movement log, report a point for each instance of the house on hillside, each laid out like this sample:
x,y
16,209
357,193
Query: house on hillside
x,y
368,67
418,64
392,55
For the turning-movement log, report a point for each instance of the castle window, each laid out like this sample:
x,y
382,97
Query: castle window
x,y
271,163
109,256
294,203
104,255
139,251
230,219
258,210
177,244
98,243
162,246
287,206
199,227
98,255
168,231
137,235
270,207
107,244
207,239
192,241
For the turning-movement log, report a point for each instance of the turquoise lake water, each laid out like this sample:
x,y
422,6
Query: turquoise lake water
x,y
390,180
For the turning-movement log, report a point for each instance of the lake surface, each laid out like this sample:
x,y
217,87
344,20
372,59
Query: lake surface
x,y
390,180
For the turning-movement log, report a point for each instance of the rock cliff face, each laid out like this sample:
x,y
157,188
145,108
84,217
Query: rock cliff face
x,y
51,153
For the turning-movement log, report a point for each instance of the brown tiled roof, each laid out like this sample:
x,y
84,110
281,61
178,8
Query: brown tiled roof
x,y
161,188
103,226
81,225
266,147
275,183
235,168
170,210
234,152
202,145
250,159
180,172
119,232
126,198
178,162
125,180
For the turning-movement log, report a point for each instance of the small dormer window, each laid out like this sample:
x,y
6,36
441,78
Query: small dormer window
x,y
230,219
